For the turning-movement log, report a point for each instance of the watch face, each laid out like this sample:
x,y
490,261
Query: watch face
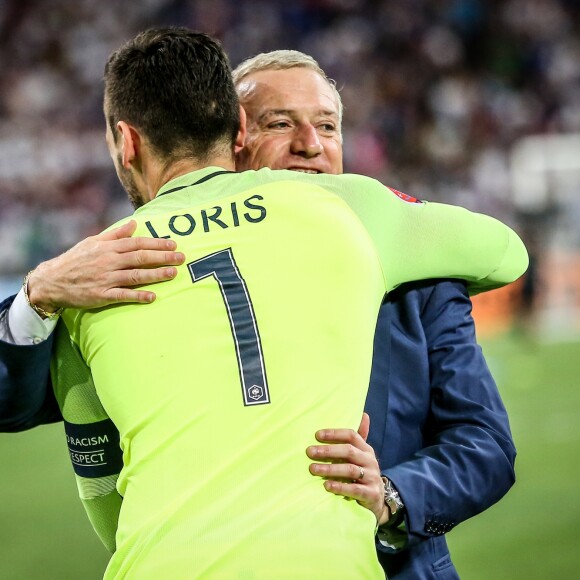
x,y
392,498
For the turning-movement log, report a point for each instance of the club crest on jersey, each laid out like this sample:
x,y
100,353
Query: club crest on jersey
x,y
405,197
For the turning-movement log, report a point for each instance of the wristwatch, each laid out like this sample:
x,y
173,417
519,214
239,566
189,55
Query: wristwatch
x,y
392,499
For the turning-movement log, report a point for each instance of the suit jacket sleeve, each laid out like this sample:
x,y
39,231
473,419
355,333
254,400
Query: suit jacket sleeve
x,y
466,460
26,395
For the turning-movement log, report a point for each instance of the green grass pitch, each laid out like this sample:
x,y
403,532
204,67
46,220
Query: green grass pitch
x,y
532,532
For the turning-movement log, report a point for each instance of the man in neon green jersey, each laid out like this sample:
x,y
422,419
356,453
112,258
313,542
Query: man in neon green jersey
x,y
216,389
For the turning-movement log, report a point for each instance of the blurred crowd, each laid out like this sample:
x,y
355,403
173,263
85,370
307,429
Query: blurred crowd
x,y
436,92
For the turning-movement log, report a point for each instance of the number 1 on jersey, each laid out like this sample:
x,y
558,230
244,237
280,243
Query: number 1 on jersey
x,y
222,266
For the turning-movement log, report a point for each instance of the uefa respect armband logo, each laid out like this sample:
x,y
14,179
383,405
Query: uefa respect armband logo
x,y
94,448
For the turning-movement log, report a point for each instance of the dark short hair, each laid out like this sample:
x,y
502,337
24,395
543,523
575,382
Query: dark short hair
x,y
175,86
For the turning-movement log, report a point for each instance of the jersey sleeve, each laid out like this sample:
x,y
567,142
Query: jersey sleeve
x,y
92,438
449,241
427,240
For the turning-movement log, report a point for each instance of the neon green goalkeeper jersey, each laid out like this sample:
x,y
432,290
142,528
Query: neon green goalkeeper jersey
x,y
265,336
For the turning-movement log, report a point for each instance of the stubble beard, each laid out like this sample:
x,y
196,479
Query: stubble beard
x,y
129,185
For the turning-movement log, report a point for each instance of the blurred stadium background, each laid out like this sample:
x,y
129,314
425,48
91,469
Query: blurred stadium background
x,y
473,102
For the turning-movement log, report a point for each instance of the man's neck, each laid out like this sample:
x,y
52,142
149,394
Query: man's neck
x,y
160,175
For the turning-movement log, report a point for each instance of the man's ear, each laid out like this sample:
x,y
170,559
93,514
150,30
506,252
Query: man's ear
x,y
130,143
241,138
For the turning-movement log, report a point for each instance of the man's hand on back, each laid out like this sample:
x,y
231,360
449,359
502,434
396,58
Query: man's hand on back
x,y
103,269
349,467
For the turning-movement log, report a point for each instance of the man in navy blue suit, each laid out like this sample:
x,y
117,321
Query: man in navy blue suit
x,y
438,426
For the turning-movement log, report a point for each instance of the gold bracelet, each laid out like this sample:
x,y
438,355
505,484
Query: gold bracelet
x,y
40,311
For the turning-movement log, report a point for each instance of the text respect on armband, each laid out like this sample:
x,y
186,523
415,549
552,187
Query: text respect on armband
x,y
94,448
206,220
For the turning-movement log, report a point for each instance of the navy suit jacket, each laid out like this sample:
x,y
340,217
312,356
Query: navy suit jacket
x,y
26,396
438,425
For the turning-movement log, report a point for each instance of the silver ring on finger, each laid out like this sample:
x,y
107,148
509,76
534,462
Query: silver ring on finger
x,y
361,473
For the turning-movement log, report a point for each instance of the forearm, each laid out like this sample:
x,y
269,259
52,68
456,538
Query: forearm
x,y
447,483
26,398
89,433
467,461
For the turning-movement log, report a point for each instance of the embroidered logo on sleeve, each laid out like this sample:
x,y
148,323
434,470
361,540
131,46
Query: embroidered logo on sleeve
x,y
405,197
